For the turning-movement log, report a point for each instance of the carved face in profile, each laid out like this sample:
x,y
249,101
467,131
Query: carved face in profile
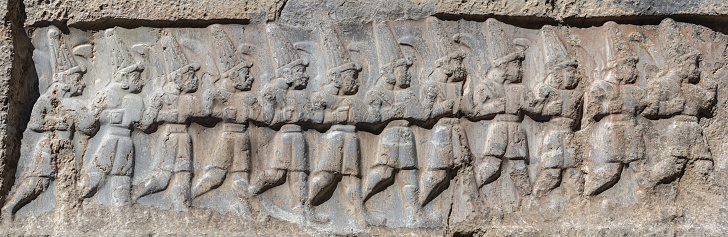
x,y
454,69
299,77
688,68
402,75
624,71
564,77
187,80
512,71
134,81
349,80
241,78
75,82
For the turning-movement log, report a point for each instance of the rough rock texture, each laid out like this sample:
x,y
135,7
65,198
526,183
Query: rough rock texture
x,y
311,117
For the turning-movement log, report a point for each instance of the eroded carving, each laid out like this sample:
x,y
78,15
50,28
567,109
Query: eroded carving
x,y
401,119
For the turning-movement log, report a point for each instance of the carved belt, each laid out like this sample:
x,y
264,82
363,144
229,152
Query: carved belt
x,y
343,128
233,127
507,118
117,130
685,118
174,128
291,128
618,117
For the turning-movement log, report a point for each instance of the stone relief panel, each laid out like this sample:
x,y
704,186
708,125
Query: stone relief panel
x,y
415,124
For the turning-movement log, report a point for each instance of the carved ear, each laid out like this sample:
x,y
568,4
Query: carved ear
x,y
356,46
247,49
307,46
141,49
84,50
466,40
407,40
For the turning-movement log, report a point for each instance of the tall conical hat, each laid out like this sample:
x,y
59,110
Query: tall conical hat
x,y
618,49
388,52
224,48
442,44
672,42
336,55
120,57
284,54
501,49
61,59
174,57
554,51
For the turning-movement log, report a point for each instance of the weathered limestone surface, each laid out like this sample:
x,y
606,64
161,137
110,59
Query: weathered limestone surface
x,y
366,118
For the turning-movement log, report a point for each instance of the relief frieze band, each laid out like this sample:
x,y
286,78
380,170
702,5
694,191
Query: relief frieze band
x,y
410,124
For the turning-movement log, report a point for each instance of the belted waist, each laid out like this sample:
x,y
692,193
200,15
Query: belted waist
x,y
507,118
562,121
618,117
343,128
64,134
446,121
174,128
291,128
116,130
233,127
398,123
686,118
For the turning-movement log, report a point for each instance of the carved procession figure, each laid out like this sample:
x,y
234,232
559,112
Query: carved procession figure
x,y
396,155
676,99
339,154
283,101
53,121
230,99
171,107
501,96
561,109
109,158
611,105
390,97
448,144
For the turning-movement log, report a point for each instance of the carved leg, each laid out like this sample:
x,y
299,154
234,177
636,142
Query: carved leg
x,y
240,180
155,182
27,190
211,178
547,180
180,190
90,183
120,190
666,170
519,176
379,178
487,170
267,179
433,182
321,183
410,189
601,177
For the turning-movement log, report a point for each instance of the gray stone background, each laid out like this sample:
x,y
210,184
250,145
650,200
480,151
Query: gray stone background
x,y
694,211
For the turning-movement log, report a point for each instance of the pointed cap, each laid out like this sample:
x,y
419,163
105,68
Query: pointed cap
x,y
501,49
335,53
284,54
618,49
554,51
120,57
174,57
673,44
227,55
388,52
61,59
442,44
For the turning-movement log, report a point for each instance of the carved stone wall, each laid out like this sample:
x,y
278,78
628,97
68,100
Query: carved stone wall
x,y
395,123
